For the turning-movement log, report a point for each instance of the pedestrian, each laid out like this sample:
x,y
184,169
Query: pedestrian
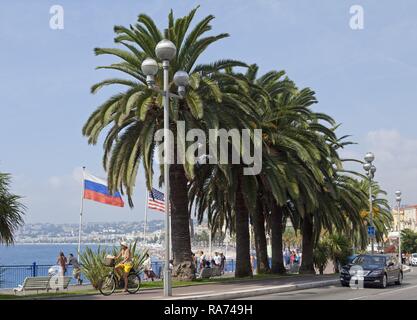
x,y
213,262
197,262
202,260
147,268
222,262
194,259
252,262
287,258
76,269
217,259
62,262
296,258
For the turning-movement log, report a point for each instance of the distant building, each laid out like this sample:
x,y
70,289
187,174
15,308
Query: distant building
x,y
408,218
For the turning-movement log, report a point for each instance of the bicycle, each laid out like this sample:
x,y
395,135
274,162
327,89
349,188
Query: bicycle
x,y
108,285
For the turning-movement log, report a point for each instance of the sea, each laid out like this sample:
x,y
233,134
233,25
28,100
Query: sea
x,y
43,254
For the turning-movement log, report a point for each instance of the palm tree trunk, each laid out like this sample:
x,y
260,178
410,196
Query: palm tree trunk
x,y
276,235
243,267
336,265
307,265
258,218
184,268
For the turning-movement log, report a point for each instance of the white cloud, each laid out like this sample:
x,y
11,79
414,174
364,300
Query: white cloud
x,y
77,174
69,180
55,182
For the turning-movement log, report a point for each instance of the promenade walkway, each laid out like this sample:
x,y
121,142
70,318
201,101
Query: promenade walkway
x,y
223,290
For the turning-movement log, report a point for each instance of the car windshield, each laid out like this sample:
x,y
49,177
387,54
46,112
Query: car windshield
x,y
369,261
414,255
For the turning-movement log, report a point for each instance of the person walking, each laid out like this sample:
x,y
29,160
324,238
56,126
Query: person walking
x,y
217,259
195,262
292,259
252,263
76,269
222,262
62,262
147,268
202,260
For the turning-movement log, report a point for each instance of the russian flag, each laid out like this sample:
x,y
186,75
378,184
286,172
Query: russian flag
x,y
96,189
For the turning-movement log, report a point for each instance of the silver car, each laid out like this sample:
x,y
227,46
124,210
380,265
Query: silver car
x,y
413,259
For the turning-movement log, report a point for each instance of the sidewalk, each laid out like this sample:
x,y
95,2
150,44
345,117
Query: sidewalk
x,y
221,291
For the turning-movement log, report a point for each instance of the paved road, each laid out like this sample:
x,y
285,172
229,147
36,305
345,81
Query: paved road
x,y
407,291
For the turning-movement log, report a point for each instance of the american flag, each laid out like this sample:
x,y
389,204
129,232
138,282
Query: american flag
x,y
156,200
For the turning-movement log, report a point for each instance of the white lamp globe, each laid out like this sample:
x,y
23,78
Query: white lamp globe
x,y
369,157
181,78
367,166
165,50
149,67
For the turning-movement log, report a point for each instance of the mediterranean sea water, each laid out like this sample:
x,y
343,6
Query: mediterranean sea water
x,y
20,254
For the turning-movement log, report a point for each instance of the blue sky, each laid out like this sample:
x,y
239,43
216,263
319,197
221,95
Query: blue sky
x,y
366,79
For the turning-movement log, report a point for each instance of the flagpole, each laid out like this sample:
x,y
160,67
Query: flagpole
x,y
81,216
146,217
171,255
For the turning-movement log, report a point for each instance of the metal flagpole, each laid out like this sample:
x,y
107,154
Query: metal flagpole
x,y
171,255
210,244
81,216
146,217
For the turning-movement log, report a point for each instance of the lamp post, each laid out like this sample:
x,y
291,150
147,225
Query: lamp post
x,y
398,199
370,170
165,51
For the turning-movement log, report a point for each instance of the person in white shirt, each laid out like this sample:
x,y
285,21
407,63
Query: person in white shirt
x,y
217,259
202,260
147,268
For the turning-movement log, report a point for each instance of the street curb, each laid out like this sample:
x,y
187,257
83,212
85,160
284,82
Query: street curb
x,y
260,292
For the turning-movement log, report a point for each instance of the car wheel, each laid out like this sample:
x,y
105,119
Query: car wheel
x,y
400,279
344,284
384,281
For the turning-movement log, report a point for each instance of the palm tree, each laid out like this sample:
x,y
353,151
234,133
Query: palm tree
x,y
409,241
11,211
382,215
229,198
286,121
132,117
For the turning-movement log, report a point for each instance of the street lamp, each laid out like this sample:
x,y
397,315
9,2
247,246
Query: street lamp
x,y
398,199
165,51
370,170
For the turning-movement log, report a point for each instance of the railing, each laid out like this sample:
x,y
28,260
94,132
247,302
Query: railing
x,y
13,275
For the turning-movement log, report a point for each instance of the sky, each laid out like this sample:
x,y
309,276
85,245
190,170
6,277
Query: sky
x,y
365,78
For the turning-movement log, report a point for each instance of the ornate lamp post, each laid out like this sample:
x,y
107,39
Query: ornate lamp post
x,y
398,199
370,170
165,51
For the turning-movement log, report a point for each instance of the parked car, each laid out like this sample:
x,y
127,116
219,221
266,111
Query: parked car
x,y
413,259
350,258
378,269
